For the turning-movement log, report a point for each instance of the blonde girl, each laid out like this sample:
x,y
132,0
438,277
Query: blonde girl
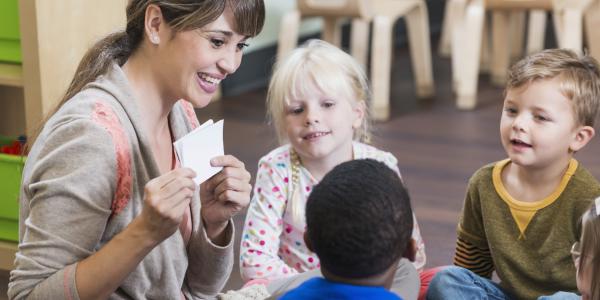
x,y
585,254
317,102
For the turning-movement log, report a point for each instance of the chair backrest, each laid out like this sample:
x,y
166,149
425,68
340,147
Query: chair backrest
x,y
519,4
335,8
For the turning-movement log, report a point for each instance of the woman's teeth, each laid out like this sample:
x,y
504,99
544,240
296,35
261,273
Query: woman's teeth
x,y
209,79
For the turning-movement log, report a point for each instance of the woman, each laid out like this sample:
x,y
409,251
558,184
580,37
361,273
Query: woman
x,y
105,210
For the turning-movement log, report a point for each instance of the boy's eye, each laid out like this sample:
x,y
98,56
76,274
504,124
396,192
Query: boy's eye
x,y
510,110
217,42
541,118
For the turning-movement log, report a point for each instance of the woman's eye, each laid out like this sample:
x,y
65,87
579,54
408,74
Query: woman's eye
x,y
241,46
217,42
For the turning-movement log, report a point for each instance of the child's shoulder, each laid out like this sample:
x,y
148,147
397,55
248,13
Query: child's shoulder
x,y
279,155
485,172
367,151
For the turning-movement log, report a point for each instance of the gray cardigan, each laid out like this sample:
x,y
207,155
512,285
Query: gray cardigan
x,y
83,183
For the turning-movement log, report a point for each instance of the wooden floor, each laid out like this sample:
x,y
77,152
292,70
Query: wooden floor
x,y
437,146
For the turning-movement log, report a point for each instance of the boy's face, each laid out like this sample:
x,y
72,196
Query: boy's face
x,y
538,126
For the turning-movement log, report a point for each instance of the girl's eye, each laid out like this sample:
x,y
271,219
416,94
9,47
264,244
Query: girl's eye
x,y
296,110
241,46
217,42
328,104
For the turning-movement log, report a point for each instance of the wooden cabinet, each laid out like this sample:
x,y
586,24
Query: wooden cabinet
x,y
54,36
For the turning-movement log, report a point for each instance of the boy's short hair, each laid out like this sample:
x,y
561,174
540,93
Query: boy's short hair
x,y
579,76
359,219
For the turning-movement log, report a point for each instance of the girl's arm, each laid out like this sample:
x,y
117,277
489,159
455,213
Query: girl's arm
x,y
264,224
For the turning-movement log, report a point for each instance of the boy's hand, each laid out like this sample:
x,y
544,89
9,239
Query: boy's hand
x,y
224,195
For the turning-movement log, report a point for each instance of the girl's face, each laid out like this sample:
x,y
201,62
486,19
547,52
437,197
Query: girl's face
x,y
194,62
320,125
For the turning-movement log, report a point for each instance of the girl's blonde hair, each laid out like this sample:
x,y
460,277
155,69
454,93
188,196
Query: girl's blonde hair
x,y
180,15
316,64
590,247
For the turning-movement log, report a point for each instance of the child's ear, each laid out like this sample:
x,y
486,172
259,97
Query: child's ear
x,y
307,242
411,250
359,111
582,136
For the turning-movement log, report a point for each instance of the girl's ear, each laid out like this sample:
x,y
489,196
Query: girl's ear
x,y
153,22
582,136
359,114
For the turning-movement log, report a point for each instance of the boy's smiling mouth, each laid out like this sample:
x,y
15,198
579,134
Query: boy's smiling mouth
x,y
519,143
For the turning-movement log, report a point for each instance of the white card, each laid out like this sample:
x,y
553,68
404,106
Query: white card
x,y
197,148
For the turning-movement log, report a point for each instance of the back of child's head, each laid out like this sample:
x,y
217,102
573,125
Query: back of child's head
x,y
590,248
316,64
579,78
359,219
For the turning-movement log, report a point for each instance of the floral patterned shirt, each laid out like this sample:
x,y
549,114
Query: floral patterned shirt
x,y
272,244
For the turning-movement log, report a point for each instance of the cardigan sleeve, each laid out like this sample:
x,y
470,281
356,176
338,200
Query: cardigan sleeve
x,y
65,204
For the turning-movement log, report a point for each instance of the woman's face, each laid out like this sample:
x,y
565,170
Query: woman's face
x,y
194,62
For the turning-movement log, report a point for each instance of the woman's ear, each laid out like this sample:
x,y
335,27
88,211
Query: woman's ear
x,y
359,111
582,136
152,23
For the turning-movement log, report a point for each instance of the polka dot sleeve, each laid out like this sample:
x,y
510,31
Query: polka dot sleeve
x,y
260,241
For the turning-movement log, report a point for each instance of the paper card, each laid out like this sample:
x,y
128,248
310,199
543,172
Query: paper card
x,y
197,148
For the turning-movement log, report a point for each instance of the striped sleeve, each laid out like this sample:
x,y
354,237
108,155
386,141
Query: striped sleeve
x,y
476,259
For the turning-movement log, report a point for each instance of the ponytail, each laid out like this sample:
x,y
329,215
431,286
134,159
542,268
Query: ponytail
x,y
114,48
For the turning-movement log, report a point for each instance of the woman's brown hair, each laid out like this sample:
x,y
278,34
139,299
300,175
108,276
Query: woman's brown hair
x,y
180,15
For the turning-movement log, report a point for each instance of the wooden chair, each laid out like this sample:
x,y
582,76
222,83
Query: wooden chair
x,y
383,14
468,32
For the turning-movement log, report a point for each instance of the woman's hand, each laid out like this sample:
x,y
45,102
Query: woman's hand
x,y
224,195
165,200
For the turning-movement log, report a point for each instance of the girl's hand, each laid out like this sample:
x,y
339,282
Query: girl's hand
x,y
165,200
224,195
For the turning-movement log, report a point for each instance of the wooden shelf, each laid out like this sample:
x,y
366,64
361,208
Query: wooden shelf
x,y
11,74
7,255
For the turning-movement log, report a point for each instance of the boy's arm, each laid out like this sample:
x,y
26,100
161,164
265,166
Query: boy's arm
x,y
472,250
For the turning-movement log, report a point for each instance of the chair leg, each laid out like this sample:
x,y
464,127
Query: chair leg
x,y
381,64
451,14
517,32
592,23
332,33
359,41
572,29
417,23
471,29
486,48
500,47
456,41
288,35
536,31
